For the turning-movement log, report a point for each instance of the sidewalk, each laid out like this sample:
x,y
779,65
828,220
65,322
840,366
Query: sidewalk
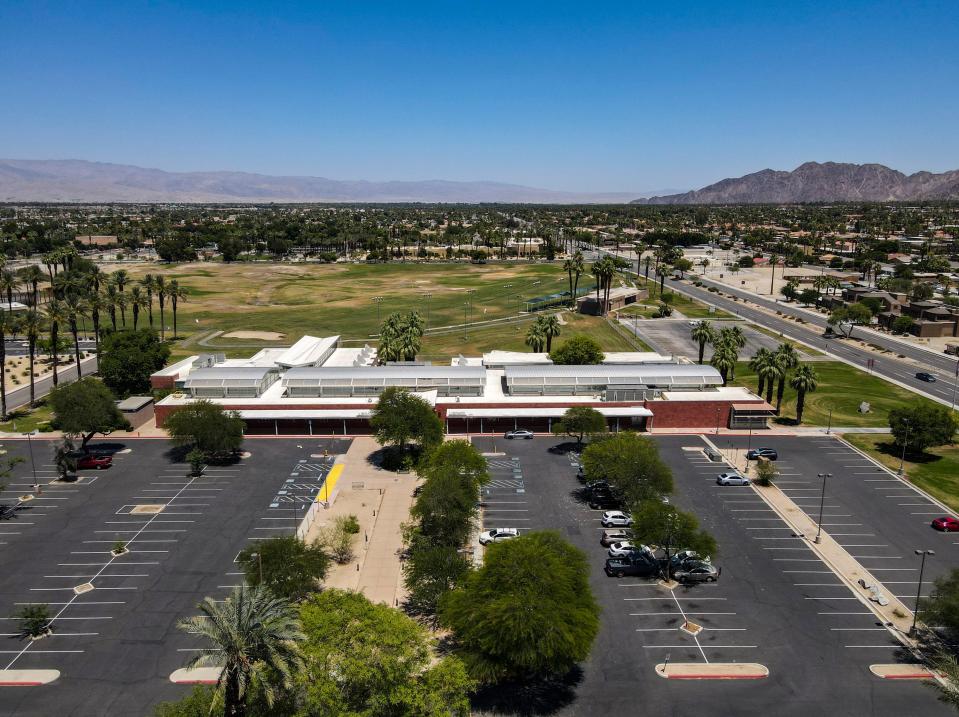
x,y
381,501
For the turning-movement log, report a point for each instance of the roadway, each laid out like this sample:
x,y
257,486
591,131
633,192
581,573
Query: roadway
x,y
67,374
901,371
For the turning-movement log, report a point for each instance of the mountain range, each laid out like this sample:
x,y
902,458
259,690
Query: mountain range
x,y
29,180
826,182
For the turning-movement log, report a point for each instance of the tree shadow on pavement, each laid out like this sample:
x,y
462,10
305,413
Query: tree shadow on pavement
x,y
528,698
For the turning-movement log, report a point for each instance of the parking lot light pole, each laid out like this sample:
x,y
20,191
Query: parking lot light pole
x,y
922,565
822,503
902,457
33,464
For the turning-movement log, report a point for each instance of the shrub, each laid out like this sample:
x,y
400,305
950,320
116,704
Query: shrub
x,y
119,547
35,620
337,539
351,525
766,472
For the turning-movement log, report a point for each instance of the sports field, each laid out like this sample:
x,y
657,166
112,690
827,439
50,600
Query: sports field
x,y
352,299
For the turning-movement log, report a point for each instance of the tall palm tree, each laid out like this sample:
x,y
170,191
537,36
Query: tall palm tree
x,y
95,304
160,287
803,381
702,333
74,309
568,268
551,327
30,325
662,271
56,316
33,275
535,338
148,282
179,293
110,299
734,337
7,326
786,360
9,281
122,301
579,268
760,364
724,360
254,638
120,278
138,300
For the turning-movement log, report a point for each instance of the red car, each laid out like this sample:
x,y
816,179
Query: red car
x,y
947,524
94,461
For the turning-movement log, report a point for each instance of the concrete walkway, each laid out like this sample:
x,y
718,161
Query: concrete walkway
x,y
381,502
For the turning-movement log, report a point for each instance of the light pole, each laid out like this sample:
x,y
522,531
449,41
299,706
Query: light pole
x,y
33,464
829,424
922,565
718,414
427,296
822,504
259,558
902,457
378,300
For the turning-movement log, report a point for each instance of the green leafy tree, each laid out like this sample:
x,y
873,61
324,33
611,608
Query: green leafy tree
x,y
579,350
445,510
128,358
430,572
207,427
922,426
579,422
400,418
662,524
766,472
807,297
254,637
803,381
941,608
631,464
682,266
85,408
852,316
288,566
702,333
368,660
903,324
527,613
456,457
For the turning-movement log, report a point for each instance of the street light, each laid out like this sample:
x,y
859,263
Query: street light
x,y
378,300
259,558
822,503
33,464
922,565
902,457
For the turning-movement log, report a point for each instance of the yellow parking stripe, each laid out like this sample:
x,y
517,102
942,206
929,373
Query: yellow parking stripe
x,y
332,478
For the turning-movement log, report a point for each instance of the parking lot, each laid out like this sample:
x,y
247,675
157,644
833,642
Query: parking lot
x,y
775,604
117,644
671,336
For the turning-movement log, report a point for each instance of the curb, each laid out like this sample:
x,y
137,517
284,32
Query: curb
x,y
27,678
712,671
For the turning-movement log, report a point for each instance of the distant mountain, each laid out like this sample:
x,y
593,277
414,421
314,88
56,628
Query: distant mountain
x,y
828,182
28,180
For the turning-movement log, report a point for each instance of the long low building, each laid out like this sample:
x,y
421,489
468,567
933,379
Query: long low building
x,y
317,387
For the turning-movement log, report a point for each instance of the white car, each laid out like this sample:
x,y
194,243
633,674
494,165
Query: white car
x,y
497,535
732,479
617,519
625,549
521,433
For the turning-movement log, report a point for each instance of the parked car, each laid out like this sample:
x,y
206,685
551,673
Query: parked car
x,y
626,548
615,535
616,518
769,454
521,433
638,564
698,571
712,454
684,558
926,376
92,460
732,478
947,524
604,501
497,535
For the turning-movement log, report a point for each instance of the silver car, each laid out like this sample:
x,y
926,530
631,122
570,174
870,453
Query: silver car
x,y
732,478
697,572
521,433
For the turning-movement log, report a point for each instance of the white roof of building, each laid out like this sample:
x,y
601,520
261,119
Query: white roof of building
x,y
620,357
307,351
619,374
176,368
226,376
322,373
351,357
514,358
543,412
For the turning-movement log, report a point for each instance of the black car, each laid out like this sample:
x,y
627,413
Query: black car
x,y
925,376
639,564
767,453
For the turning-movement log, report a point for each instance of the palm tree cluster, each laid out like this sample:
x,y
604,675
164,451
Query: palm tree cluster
x,y
604,271
400,337
541,333
775,369
726,347
574,267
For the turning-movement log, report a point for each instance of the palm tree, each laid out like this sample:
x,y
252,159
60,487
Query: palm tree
x,y
9,281
111,302
702,333
148,282
7,326
661,271
160,287
74,309
568,268
95,303
254,638
178,293
786,360
579,268
56,315
137,301
122,300
33,275
535,338
551,327
120,278
734,337
724,360
803,381
30,325
760,364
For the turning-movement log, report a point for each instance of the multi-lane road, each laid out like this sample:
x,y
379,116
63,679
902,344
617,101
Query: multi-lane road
x,y
762,311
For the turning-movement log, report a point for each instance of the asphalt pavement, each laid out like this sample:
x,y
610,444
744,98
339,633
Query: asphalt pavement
x,y
775,604
42,386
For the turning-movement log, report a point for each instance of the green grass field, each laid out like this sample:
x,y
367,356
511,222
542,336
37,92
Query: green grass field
x,y
841,389
24,420
937,472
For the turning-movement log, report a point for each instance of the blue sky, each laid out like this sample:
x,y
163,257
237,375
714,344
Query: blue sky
x,y
585,96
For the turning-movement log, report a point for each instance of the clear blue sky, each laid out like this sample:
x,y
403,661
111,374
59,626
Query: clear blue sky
x,y
591,96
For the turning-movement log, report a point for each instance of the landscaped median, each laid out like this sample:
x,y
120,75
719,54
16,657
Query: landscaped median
x,y
712,670
27,678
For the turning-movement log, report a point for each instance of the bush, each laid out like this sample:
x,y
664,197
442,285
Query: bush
x,y
337,539
351,525
290,567
35,620
766,472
